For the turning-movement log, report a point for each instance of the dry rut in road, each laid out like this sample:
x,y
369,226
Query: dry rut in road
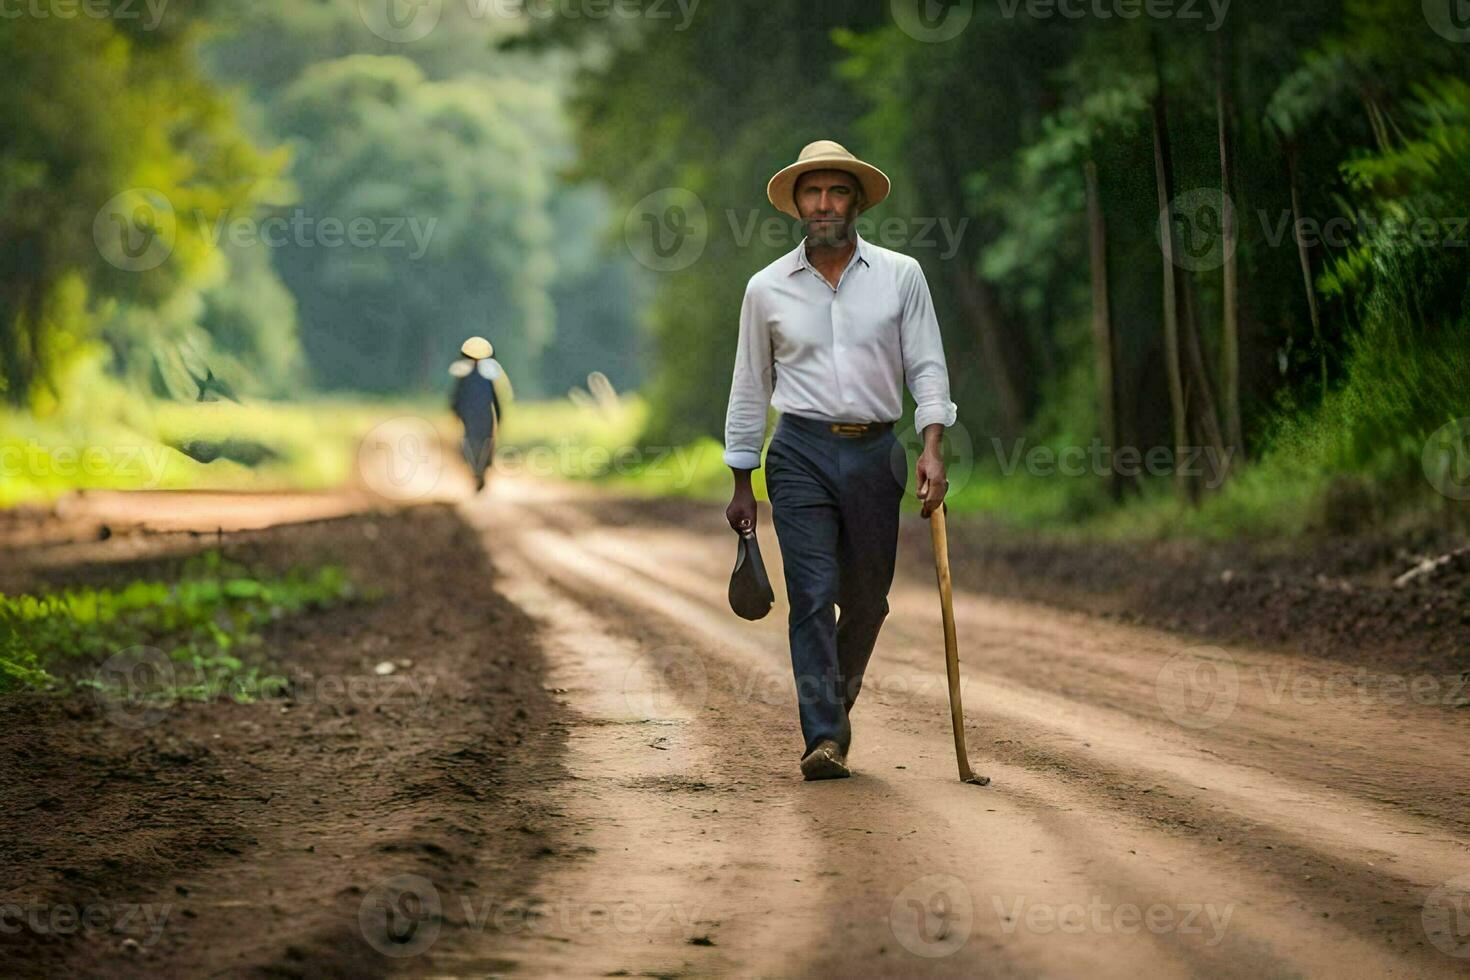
x,y
1158,809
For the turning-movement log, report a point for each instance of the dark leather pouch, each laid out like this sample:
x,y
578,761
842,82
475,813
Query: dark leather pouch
x,y
751,595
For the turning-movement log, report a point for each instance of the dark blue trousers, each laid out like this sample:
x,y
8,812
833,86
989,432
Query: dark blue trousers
x,y
834,500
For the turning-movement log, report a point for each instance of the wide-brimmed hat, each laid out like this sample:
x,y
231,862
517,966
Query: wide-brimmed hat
x,y
477,348
825,155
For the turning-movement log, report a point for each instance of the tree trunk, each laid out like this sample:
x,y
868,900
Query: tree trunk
x,y
1164,181
1004,348
19,342
1306,261
977,300
1200,390
1102,324
1230,316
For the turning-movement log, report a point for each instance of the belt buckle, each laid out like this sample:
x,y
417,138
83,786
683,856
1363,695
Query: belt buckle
x,y
849,429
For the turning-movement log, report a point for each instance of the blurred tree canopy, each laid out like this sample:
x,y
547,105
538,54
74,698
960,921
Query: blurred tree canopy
x,y
448,151
1237,230
276,192
1058,144
110,134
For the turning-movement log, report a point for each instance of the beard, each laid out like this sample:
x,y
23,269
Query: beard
x,y
828,231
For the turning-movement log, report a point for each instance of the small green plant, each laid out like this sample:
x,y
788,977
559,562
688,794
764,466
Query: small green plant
x,y
18,665
208,623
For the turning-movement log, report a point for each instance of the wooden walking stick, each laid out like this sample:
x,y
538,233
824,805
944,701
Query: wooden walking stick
x,y
940,538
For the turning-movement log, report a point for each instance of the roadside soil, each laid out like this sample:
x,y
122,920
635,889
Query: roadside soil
x,y
268,839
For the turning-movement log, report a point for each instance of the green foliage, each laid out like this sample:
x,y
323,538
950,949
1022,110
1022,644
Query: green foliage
x,y
1352,97
687,109
1407,200
457,143
455,166
116,142
19,665
208,622
91,109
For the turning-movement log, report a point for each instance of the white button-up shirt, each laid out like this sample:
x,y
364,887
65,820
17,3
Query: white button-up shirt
x,y
835,354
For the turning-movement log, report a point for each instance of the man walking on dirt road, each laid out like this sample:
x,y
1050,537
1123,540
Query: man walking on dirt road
x,y
476,400
828,335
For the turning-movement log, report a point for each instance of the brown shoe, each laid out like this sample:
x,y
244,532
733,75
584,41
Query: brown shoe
x,y
826,761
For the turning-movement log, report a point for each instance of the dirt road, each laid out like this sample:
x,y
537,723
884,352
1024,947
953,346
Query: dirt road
x,y
1158,808
596,776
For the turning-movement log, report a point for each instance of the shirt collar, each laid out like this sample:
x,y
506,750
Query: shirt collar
x,y
799,261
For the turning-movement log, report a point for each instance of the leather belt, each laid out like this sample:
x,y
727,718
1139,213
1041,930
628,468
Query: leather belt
x,y
842,430
855,430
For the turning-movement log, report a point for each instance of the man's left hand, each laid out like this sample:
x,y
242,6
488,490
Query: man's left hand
x,y
929,481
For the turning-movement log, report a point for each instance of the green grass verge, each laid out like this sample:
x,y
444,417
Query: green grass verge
x,y
107,437
602,443
199,636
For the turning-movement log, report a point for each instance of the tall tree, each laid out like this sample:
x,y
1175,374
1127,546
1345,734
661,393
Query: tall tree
x,y
1173,367
1102,323
1229,273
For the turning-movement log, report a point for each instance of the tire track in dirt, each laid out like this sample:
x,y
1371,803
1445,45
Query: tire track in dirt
x,y
645,801
1062,833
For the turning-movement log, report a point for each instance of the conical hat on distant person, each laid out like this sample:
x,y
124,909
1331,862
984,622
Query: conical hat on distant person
x,y
477,348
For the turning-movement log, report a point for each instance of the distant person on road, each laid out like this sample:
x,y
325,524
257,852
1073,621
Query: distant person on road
x,y
829,333
476,400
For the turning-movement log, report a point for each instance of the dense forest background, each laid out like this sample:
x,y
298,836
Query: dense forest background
x,y
1238,233
217,118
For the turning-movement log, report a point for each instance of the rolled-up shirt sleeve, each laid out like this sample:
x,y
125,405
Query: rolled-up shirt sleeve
x,y
924,369
750,388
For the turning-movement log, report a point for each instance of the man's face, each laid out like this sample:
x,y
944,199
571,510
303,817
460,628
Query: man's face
x,y
829,202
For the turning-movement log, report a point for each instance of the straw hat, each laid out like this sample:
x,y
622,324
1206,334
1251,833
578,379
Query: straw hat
x,y
825,155
477,348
